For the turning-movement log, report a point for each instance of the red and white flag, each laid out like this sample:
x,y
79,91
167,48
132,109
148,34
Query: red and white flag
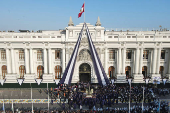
x,y
81,11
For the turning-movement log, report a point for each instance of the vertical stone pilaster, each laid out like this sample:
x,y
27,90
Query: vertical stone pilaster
x,y
63,60
169,63
31,61
8,61
154,60
119,64
158,60
13,61
137,61
26,61
45,60
123,61
106,58
49,60
141,61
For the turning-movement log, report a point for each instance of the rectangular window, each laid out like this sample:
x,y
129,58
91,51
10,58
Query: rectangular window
x,y
145,54
146,36
3,54
151,36
162,54
58,36
128,36
111,54
57,54
128,54
115,36
33,36
133,36
39,54
21,54
164,36
109,36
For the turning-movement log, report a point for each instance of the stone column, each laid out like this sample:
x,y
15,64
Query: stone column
x,y
106,58
26,61
154,60
49,61
117,61
137,61
45,60
63,60
141,61
13,61
8,61
31,61
169,64
158,60
123,61
119,64
67,55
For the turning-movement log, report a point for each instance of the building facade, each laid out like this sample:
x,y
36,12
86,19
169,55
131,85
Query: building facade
x,y
42,56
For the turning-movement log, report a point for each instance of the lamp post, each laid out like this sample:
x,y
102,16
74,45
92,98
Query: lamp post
x,y
143,99
31,98
129,80
48,97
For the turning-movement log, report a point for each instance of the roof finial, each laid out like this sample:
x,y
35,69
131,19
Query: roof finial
x,y
98,23
70,22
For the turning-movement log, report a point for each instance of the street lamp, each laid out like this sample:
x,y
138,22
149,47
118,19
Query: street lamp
x,y
31,97
129,80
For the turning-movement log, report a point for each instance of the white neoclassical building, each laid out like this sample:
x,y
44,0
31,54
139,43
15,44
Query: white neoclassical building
x,y
42,56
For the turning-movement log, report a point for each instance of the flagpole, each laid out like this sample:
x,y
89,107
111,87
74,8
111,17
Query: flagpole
x,y
84,11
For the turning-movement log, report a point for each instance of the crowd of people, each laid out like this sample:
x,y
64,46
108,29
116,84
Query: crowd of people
x,y
85,94
103,99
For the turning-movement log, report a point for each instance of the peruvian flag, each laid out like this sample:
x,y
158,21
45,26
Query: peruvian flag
x,y
81,11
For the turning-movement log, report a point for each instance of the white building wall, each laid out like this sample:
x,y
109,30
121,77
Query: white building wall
x,y
102,39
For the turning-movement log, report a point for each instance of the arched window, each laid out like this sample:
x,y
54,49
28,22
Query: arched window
x,y
144,71
4,71
111,71
128,71
58,71
161,70
40,71
22,71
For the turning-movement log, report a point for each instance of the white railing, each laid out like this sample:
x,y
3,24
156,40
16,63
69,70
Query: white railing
x,y
27,101
136,29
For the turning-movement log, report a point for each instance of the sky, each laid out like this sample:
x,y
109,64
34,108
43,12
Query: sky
x,y
55,14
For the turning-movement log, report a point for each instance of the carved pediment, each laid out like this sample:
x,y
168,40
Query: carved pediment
x,y
84,54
